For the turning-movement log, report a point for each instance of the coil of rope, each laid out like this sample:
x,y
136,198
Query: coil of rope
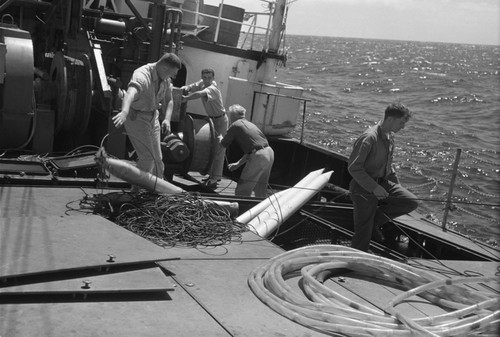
x,y
321,308
185,218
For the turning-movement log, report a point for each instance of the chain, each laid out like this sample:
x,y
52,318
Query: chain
x,y
479,159
478,192
477,215
416,187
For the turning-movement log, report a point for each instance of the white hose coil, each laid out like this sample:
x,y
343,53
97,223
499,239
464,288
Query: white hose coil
x,y
320,307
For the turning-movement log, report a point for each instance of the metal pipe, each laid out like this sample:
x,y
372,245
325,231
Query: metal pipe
x,y
450,190
138,16
277,25
303,123
221,6
5,5
156,45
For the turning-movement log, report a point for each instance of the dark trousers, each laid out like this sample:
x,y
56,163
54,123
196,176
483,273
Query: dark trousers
x,y
369,212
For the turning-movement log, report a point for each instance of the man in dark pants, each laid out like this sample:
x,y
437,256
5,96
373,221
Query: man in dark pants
x,y
375,190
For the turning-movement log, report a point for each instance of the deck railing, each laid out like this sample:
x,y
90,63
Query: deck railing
x,y
253,28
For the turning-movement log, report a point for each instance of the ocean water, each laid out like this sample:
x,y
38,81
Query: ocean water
x,y
454,93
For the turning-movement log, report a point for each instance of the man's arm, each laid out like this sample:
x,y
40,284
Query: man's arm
x,y
356,165
236,165
167,108
193,95
130,96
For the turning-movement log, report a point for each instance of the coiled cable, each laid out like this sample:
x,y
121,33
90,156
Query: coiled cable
x,y
322,308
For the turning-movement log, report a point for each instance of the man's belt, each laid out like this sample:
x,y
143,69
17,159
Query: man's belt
x,y
258,148
216,117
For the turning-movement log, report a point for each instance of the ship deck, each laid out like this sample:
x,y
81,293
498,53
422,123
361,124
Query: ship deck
x,y
70,274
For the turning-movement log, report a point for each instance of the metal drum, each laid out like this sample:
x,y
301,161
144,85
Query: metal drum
x,y
16,87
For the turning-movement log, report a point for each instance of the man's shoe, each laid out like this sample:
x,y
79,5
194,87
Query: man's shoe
x,y
210,184
208,178
378,235
390,232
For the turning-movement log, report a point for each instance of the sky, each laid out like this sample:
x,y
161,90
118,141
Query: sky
x,y
453,21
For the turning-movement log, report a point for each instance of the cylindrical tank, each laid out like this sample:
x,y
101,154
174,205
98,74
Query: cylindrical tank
x,y
16,87
174,149
110,27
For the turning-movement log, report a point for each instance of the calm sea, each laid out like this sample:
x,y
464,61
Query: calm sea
x,y
454,93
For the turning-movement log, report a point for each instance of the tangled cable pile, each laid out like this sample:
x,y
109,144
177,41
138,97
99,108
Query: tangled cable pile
x,y
186,218
322,308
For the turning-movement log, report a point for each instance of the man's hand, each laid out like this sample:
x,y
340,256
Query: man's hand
x,y
165,127
120,118
380,192
232,166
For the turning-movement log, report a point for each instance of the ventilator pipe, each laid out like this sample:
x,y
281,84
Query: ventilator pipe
x,y
271,208
276,198
131,174
257,209
293,203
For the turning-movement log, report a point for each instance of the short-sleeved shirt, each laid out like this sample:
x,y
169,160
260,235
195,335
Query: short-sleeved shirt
x,y
212,102
152,90
371,157
248,136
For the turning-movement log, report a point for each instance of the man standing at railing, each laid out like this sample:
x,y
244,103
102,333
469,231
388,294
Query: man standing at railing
x,y
376,194
206,89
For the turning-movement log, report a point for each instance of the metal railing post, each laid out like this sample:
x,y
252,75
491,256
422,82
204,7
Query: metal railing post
x,y
217,28
450,190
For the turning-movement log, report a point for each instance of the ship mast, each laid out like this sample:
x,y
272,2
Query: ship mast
x,y
278,25
266,71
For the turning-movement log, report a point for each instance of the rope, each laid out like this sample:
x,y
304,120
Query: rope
x,y
167,220
186,219
322,308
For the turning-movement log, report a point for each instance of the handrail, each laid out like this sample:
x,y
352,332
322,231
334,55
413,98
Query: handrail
x,y
225,19
304,100
450,190
251,26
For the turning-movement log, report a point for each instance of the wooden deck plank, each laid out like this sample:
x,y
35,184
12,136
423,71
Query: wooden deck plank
x,y
221,287
454,269
30,245
25,201
380,295
142,280
225,187
418,224
210,297
180,316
